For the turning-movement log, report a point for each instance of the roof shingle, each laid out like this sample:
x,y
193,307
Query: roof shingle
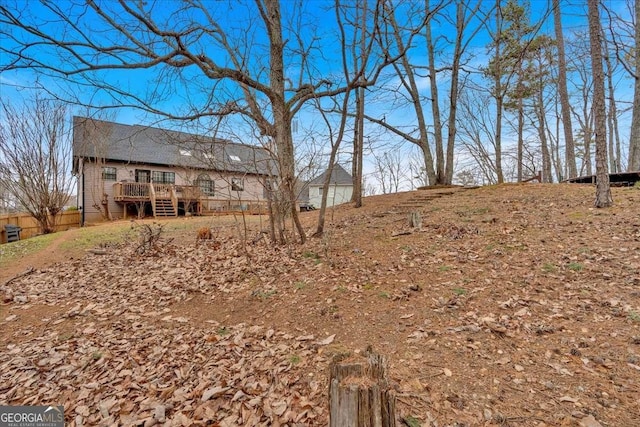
x,y
142,144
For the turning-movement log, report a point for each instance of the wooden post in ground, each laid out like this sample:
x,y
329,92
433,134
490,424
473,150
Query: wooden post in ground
x,y
359,393
415,220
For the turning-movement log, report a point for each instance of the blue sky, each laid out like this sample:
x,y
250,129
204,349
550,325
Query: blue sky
x,y
190,88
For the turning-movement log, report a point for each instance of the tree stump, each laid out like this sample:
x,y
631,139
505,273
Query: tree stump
x,y
359,393
415,220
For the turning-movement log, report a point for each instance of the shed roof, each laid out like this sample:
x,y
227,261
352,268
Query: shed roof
x,y
143,144
339,176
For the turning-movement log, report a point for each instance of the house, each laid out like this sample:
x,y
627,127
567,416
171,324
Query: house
x,y
340,188
126,170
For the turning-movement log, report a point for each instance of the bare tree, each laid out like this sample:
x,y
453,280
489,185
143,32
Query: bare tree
x,y
389,171
430,137
634,141
35,158
625,38
476,127
401,38
603,190
189,44
570,155
581,108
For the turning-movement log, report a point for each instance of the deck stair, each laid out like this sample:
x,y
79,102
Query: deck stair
x,y
164,208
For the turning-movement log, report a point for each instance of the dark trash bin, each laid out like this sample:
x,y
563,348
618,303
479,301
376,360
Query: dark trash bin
x,y
13,232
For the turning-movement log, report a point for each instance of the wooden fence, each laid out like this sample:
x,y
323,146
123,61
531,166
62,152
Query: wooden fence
x,y
30,228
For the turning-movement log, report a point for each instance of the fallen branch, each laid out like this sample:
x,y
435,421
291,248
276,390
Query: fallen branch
x,y
19,275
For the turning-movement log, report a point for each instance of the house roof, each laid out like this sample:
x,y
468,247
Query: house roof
x,y
339,176
143,144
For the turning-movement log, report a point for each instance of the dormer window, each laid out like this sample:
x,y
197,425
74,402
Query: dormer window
x,y
234,158
184,152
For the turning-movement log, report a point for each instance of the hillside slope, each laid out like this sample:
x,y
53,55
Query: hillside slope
x,y
511,305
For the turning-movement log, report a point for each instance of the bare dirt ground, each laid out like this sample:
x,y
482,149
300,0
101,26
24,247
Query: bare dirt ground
x,y
514,305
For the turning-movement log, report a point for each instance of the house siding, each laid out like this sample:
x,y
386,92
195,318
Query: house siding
x,y
95,187
336,195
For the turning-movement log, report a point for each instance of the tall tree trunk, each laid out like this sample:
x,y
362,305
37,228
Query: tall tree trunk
x,y
570,152
588,142
358,149
435,105
358,141
520,137
542,134
553,135
498,153
453,95
612,118
634,141
603,190
407,75
281,115
499,102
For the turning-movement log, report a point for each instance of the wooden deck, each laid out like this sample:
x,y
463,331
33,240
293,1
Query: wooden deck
x,y
620,179
166,199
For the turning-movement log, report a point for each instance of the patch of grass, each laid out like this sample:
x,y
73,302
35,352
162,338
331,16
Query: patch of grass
x,y
223,331
300,285
548,267
406,248
264,294
459,291
383,294
65,336
367,286
91,237
14,250
97,355
575,266
412,421
444,268
637,185
310,254
481,211
576,215
634,316
294,359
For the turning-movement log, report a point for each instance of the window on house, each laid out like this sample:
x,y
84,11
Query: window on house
x,y
237,184
234,158
163,177
206,185
185,152
109,174
319,191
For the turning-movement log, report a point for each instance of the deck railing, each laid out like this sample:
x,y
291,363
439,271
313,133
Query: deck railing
x,y
130,190
163,191
188,192
139,191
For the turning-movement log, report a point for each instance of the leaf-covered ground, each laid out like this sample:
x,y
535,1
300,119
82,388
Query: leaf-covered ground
x,y
515,305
